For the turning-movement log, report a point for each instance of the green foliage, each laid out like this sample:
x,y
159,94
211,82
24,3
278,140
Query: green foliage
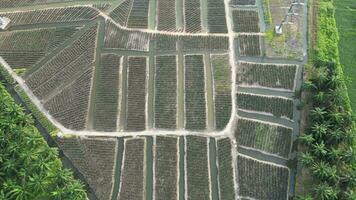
x,y
29,169
36,112
331,138
346,20
267,12
7,76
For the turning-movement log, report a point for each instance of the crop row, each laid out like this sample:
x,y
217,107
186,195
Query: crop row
x,y
35,40
121,13
166,163
95,159
222,86
192,16
266,137
206,43
20,3
54,15
165,92
275,105
70,106
66,75
107,93
249,45
245,21
166,15
225,169
19,60
216,16
266,75
136,94
25,41
116,37
195,108
164,43
22,49
242,2
138,17
132,175
78,53
198,186
259,180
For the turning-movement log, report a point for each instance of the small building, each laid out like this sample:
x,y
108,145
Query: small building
x,y
4,23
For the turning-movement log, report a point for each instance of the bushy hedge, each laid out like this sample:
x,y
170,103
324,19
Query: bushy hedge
x,y
29,169
330,137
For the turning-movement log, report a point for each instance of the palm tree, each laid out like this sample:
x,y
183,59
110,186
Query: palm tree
x,y
307,159
325,192
335,154
318,114
334,81
307,139
320,76
320,98
309,86
319,150
349,155
305,198
320,130
324,172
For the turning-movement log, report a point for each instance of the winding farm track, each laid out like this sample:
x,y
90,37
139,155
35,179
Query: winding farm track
x,y
261,156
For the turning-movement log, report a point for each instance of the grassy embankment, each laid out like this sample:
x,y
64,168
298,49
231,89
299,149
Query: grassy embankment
x,y
346,24
329,137
29,168
31,106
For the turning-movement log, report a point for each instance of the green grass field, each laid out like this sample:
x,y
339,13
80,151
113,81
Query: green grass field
x,y
346,23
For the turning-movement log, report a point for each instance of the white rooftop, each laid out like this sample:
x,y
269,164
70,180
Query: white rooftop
x,y
4,22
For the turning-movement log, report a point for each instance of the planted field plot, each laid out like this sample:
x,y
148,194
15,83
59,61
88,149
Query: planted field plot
x,y
136,94
249,45
279,107
22,49
222,93
225,169
166,15
266,75
166,168
245,21
253,177
192,16
216,16
121,13
95,159
55,15
107,93
197,174
164,43
195,105
265,137
165,105
117,38
62,68
20,60
205,43
138,17
70,106
243,2
19,3
133,172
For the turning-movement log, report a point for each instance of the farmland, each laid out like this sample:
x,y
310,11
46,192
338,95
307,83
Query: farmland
x,y
159,99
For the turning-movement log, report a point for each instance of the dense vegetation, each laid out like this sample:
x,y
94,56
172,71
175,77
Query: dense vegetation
x,y
29,169
330,137
346,24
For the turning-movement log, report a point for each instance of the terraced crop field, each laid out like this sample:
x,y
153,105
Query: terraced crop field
x,y
159,99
